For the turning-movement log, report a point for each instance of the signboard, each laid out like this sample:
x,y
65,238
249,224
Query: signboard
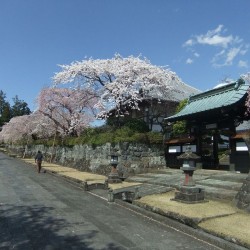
x,y
241,146
211,126
192,147
174,149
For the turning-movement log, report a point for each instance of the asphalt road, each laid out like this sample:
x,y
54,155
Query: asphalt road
x,y
40,211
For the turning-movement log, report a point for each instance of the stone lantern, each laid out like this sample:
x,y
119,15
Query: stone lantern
x,y
189,165
113,176
114,160
188,192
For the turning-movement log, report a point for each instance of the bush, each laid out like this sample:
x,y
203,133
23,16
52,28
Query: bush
x,y
180,127
155,137
137,125
132,123
106,134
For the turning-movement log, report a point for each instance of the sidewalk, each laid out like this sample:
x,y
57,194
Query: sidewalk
x,y
219,218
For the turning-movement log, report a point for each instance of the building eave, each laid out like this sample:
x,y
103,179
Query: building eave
x,y
212,100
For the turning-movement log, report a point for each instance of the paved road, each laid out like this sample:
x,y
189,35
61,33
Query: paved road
x,y
39,211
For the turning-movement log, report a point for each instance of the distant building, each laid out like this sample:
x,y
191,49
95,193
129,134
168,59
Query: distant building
x,y
156,105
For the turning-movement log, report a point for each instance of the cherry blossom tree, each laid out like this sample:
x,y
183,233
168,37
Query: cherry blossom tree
x,y
70,110
119,83
42,126
18,128
60,111
26,127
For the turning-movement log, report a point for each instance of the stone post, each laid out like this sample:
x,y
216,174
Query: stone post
x,y
111,196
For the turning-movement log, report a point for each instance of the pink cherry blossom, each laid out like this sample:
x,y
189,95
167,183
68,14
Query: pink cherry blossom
x,y
118,82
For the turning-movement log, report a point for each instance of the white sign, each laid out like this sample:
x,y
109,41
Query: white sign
x,y
241,146
174,149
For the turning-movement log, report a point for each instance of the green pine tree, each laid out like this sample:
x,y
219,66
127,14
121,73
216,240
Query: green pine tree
x,y
19,107
5,110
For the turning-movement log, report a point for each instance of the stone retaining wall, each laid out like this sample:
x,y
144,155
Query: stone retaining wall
x,y
132,157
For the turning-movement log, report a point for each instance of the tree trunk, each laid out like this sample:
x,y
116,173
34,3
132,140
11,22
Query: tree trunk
x,y
24,153
53,148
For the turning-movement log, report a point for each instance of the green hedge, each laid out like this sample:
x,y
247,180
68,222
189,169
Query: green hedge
x,y
102,135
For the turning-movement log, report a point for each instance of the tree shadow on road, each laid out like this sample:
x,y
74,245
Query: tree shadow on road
x,y
35,227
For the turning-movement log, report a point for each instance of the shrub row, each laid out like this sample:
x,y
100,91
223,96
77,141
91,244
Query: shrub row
x,y
98,136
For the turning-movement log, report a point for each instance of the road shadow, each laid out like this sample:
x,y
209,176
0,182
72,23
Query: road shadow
x,y
33,227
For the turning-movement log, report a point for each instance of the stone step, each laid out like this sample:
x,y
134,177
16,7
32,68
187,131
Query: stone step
x,y
234,177
138,178
229,185
167,171
218,193
215,193
216,184
212,192
145,189
158,174
157,177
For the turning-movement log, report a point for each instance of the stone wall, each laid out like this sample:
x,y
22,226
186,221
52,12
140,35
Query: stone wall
x,y
132,157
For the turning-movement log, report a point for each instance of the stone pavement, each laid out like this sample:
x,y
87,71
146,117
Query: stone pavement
x,y
219,216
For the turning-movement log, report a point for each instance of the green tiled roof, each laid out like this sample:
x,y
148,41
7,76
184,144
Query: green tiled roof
x,y
212,99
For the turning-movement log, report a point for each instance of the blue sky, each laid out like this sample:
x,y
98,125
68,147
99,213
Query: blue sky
x,y
204,42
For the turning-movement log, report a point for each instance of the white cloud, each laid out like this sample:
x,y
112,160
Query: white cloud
x,y
231,54
226,57
217,57
189,61
196,54
242,64
189,42
230,46
244,50
215,40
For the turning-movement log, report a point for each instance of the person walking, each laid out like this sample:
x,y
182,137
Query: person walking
x,y
38,160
